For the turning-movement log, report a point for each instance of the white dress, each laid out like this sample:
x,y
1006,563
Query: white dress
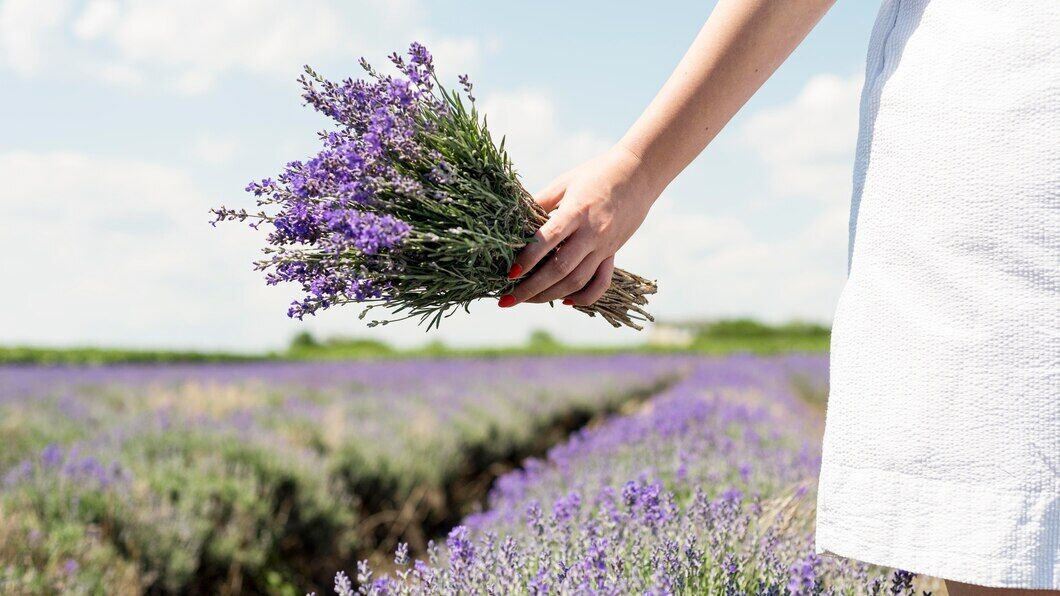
x,y
942,442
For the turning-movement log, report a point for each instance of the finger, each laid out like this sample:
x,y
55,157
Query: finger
x,y
554,231
596,286
570,284
551,195
558,265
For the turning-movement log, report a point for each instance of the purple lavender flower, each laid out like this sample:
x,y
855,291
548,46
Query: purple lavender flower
x,y
567,507
461,548
902,582
343,586
804,576
465,82
51,456
331,219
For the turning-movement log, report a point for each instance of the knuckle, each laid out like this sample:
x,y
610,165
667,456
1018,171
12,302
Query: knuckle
x,y
582,280
536,284
532,289
562,263
572,214
573,205
547,295
545,234
563,290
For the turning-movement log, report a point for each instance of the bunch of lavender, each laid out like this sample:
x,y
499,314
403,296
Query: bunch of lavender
x,y
409,204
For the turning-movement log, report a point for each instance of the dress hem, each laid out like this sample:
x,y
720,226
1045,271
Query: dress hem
x,y
983,535
926,570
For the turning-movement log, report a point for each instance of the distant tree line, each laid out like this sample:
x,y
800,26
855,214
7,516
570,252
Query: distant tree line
x,y
714,337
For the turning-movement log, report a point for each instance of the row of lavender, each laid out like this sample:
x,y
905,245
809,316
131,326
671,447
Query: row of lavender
x,y
260,477
709,489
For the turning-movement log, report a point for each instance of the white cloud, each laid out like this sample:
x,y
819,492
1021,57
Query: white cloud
x,y
23,24
540,145
455,55
709,266
808,144
97,19
111,250
213,149
189,46
119,75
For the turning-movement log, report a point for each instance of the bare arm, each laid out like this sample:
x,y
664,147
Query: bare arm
x,y
598,205
740,46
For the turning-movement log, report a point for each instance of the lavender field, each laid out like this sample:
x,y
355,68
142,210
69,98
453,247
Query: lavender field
x,y
694,475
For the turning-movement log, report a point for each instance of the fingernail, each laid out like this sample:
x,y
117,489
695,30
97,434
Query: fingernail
x,y
506,301
515,271
568,302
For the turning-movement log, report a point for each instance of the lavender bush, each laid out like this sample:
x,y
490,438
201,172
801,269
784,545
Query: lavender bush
x,y
708,489
409,204
261,477
267,477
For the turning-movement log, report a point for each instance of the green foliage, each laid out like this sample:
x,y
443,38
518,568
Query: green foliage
x,y
204,508
543,340
98,356
231,484
251,511
468,225
45,555
718,337
750,328
779,344
305,346
303,340
26,433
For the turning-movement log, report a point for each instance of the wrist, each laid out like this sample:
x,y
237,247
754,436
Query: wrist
x,y
645,180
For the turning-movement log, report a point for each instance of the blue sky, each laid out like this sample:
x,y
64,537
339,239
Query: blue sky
x,y
124,121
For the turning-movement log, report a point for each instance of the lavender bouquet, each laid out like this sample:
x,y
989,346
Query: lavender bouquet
x,y
409,204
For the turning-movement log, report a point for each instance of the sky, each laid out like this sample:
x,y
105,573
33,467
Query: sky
x,y
122,122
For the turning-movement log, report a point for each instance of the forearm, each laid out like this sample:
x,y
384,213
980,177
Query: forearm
x,y
739,47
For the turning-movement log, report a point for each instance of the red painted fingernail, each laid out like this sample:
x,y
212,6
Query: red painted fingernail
x,y
515,271
506,301
568,302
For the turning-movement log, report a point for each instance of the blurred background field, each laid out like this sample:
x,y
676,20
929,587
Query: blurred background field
x,y
128,471
270,475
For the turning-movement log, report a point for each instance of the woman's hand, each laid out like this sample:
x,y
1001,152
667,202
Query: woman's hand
x,y
593,210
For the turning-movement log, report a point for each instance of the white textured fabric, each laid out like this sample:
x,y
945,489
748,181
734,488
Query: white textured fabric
x,y
942,442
